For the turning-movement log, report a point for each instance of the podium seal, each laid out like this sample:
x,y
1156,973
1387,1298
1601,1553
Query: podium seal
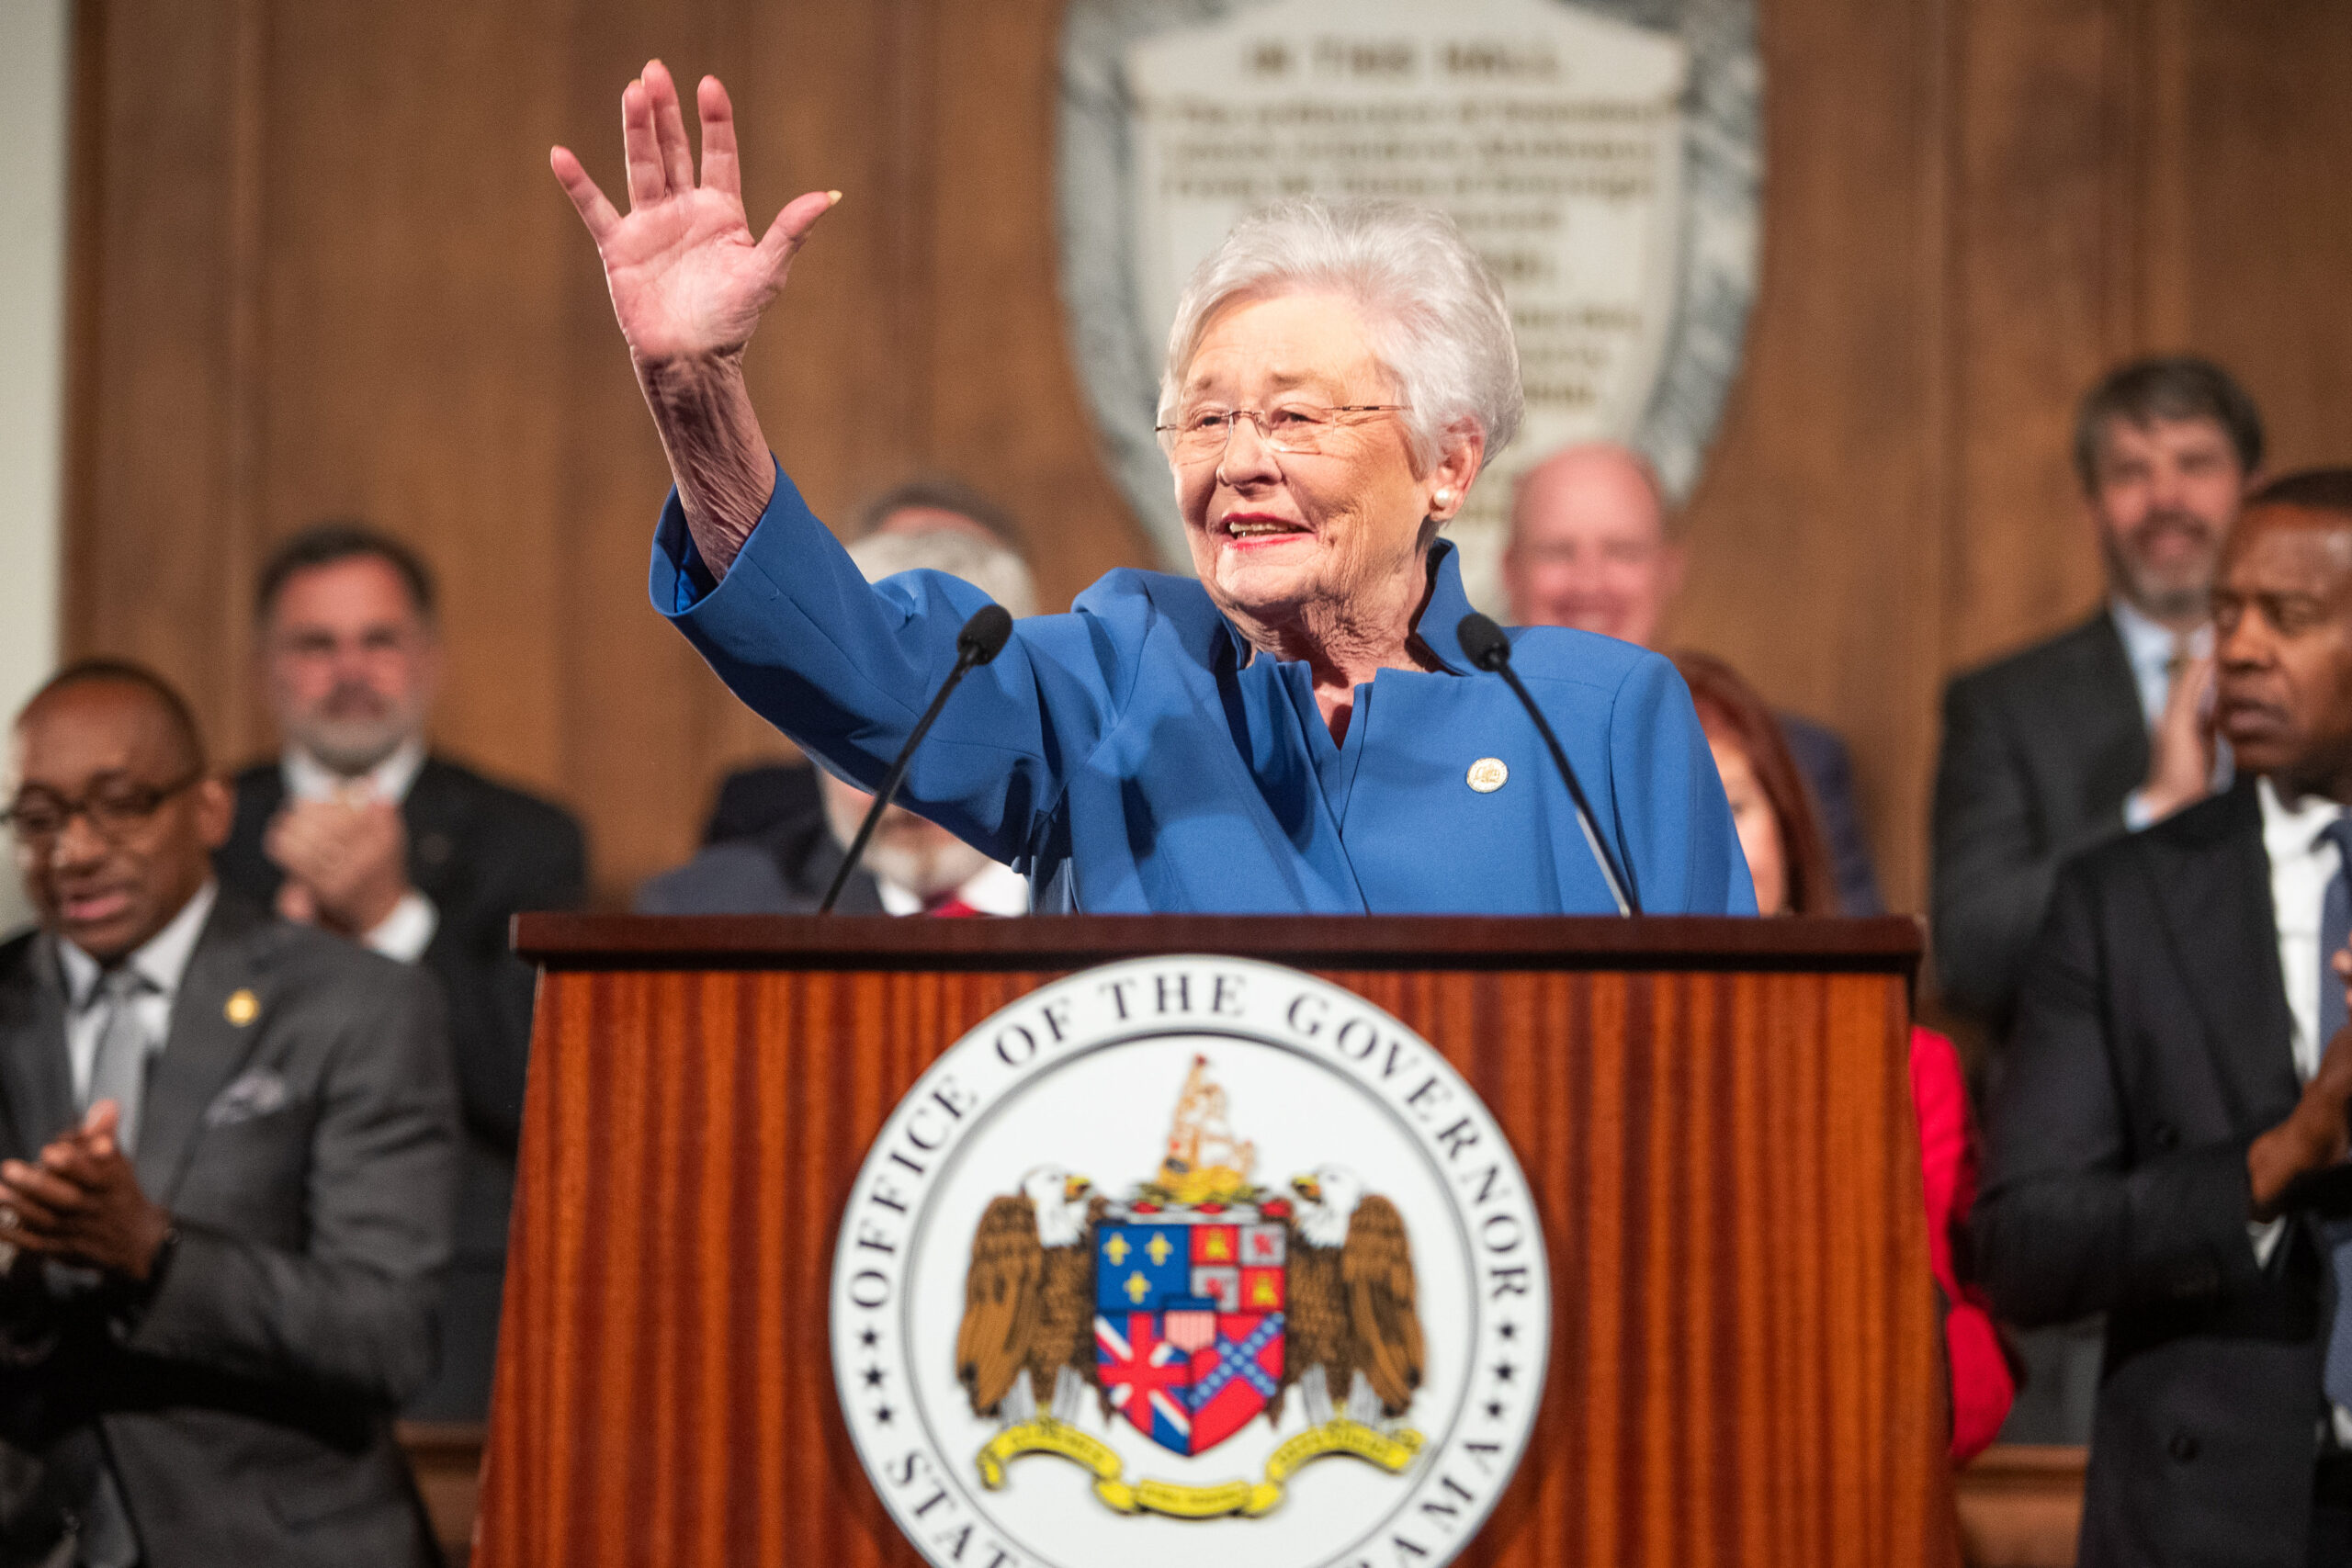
x,y
1190,1258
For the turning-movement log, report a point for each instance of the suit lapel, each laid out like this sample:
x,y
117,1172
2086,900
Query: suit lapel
x,y
2213,898
205,1049
36,1073
2117,746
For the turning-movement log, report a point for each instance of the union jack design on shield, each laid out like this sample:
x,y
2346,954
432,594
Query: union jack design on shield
x,y
1175,1357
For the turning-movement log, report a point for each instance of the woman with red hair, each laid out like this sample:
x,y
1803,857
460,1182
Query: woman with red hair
x,y
1790,863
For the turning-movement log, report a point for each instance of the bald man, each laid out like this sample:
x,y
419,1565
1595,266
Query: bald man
x,y
1592,547
228,1150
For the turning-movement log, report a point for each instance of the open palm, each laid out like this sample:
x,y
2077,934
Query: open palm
x,y
688,279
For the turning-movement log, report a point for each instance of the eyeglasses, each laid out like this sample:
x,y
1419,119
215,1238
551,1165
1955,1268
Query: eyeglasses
x,y
115,808
1302,429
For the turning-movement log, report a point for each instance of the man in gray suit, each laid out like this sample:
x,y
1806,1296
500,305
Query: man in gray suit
x,y
227,1178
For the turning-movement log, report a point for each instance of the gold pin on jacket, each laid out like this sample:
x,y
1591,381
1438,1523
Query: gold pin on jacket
x,y
243,1006
1487,773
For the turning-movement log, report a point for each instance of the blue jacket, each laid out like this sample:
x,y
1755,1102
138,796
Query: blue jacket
x,y
1132,757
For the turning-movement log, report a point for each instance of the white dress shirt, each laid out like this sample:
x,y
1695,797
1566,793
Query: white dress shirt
x,y
2303,861
407,931
994,889
161,961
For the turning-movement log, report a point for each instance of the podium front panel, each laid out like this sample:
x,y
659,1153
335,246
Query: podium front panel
x,y
1714,1115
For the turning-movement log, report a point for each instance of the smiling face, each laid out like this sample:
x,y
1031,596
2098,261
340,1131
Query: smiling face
x,y
1588,547
108,893
2282,613
1282,539
2166,495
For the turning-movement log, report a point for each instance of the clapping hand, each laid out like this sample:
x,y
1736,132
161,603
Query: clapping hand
x,y
81,1203
2182,745
2318,1132
689,282
345,863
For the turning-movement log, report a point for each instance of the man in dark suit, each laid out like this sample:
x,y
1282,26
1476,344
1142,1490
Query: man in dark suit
x,y
227,1158
2104,728
2167,1129
354,827
1591,548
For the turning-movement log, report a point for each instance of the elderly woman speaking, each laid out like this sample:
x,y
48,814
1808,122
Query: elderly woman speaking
x,y
1299,730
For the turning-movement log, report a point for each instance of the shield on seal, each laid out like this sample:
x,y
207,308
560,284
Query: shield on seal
x,y
1188,1327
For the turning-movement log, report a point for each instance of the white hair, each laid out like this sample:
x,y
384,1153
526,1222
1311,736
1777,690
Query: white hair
x,y
990,567
1438,323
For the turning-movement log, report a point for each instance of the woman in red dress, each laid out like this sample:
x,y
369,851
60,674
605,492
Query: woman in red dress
x,y
1791,865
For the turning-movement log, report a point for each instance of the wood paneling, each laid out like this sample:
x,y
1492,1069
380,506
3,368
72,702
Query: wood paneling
x,y
320,267
1745,1370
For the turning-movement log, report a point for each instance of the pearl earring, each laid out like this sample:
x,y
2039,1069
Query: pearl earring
x,y
1443,498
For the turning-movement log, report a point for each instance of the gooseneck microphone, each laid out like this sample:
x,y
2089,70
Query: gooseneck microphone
x,y
1490,650
982,639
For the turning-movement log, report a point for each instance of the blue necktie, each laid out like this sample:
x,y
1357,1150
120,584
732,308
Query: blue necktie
x,y
2334,932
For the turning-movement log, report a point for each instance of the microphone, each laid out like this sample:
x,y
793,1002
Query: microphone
x,y
1490,650
982,639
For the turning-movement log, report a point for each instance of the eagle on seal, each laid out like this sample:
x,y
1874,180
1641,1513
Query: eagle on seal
x,y
1354,1333
1028,1341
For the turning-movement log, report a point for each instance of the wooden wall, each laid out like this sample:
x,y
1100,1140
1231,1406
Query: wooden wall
x,y
321,267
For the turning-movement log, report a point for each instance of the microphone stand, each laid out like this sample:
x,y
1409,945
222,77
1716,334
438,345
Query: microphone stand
x,y
982,639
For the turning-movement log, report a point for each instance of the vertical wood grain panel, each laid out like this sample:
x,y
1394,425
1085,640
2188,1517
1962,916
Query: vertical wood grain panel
x,y
1745,1365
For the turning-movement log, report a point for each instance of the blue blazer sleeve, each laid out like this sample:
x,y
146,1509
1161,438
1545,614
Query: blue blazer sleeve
x,y
1674,826
845,668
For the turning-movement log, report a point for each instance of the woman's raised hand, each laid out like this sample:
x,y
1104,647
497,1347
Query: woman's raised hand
x,y
687,278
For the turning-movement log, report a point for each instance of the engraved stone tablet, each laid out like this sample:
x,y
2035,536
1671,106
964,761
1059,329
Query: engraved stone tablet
x,y
1600,158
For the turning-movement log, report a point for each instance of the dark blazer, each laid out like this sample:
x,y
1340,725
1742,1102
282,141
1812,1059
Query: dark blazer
x,y
2039,751
2153,1045
481,852
1820,756
308,1158
782,870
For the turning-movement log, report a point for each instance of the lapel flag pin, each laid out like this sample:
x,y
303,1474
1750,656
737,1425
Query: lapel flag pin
x,y
243,1007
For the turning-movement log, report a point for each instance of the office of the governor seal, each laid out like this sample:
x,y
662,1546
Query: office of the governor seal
x,y
1189,1260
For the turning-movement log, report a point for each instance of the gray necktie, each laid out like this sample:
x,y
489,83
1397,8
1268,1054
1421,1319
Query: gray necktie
x,y
2334,932
120,1070
118,1073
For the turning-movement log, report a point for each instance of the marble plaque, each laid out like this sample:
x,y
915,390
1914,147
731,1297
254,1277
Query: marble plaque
x,y
1602,158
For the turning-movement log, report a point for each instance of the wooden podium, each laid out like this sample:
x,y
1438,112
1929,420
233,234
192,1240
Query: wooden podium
x,y
1714,1115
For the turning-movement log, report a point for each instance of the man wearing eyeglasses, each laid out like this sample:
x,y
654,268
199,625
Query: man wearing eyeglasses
x,y
227,1164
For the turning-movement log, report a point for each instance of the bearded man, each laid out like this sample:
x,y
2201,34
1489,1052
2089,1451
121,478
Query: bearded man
x,y
2107,728
2103,731
355,828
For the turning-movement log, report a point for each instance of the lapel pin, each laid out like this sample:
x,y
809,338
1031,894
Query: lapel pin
x,y
243,1007
1487,773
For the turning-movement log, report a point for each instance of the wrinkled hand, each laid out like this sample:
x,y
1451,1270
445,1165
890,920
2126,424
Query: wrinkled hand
x,y
687,279
345,863
2180,748
81,1203
2316,1133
